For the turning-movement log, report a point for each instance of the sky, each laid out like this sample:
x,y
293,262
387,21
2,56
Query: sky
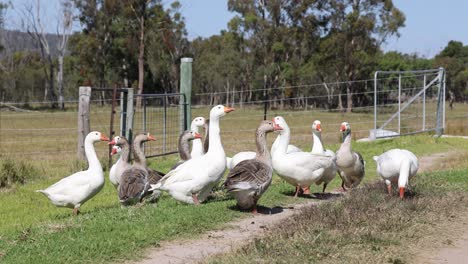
x,y
430,24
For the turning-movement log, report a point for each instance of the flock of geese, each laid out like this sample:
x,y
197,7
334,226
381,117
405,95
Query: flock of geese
x,y
192,178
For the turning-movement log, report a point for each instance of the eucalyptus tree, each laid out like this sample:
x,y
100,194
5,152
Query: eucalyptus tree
x,y
355,31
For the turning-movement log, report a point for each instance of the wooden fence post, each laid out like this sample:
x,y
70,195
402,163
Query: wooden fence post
x,y
83,119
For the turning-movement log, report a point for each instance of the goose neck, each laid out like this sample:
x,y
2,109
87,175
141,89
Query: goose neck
x,y
184,150
91,156
284,138
125,153
215,139
262,150
317,146
138,155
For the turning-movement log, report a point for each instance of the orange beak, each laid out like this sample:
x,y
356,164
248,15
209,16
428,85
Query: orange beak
x,y
114,151
111,142
277,127
318,127
402,192
151,138
228,109
343,128
197,135
104,138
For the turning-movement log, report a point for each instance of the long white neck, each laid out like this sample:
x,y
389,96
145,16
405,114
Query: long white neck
x,y
197,148
317,147
93,161
405,167
284,138
215,139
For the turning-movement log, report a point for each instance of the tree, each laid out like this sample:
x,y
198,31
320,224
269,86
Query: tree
x,y
35,29
454,58
355,31
64,31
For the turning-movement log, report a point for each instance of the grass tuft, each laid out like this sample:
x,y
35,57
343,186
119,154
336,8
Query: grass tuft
x,y
15,172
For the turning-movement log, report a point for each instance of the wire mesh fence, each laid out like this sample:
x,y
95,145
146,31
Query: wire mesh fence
x,y
162,115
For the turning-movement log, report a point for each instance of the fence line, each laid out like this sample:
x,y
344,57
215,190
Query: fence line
x,y
311,85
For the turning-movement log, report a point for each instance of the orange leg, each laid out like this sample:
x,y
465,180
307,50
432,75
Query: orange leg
x,y
254,210
298,188
195,199
402,192
389,189
306,190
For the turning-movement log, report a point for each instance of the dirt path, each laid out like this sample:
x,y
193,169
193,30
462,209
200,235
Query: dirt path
x,y
237,233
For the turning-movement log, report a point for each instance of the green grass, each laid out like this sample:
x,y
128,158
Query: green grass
x,y
33,229
367,226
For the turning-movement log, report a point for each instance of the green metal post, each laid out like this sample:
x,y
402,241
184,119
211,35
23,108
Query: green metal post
x,y
130,115
186,89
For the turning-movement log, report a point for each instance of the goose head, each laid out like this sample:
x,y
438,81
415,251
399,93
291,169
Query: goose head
x,y
219,111
279,120
269,126
115,150
118,141
143,137
196,123
317,127
96,136
345,129
189,135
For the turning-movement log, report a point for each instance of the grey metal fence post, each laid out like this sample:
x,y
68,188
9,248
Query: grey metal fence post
x,y
399,103
83,119
440,104
186,89
424,104
130,115
123,113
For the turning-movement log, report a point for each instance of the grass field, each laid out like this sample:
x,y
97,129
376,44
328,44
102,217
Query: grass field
x,y
31,229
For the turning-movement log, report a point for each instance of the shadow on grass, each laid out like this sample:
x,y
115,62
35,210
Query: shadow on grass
x,y
260,209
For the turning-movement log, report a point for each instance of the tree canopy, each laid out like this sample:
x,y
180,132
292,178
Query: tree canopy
x,y
268,47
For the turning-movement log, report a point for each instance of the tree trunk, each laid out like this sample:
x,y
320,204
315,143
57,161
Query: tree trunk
x,y
60,82
349,98
141,60
52,96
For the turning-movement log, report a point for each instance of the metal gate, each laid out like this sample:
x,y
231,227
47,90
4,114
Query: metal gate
x,y
408,102
162,115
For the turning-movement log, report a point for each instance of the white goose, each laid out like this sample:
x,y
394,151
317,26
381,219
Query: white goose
x,y
397,166
74,190
122,147
351,165
192,181
318,149
299,169
197,144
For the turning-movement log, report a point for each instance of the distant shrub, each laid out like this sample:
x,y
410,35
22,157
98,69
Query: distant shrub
x,y
15,172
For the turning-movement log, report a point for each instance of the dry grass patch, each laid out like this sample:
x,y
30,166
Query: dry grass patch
x,y
366,226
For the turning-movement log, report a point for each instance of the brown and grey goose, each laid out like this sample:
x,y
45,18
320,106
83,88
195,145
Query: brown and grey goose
x,y
184,146
139,159
135,181
249,179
